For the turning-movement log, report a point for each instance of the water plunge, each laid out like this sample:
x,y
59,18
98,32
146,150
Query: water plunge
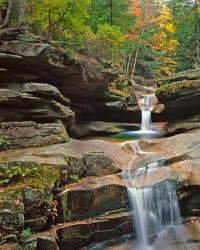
x,y
156,215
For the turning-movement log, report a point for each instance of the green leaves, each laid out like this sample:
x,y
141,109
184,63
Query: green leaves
x,y
10,174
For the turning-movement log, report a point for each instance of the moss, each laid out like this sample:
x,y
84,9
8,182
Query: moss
x,y
174,88
20,174
11,198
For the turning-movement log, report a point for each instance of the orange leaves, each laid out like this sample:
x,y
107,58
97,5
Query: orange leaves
x,y
135,9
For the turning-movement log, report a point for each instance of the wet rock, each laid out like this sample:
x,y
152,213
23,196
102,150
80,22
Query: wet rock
x,y
95,128
81,234
189,199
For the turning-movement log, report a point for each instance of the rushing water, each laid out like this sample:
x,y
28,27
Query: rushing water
x,y
146,108
156,215
146,120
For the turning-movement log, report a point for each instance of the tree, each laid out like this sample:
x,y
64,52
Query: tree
x,y
186,22
21,12
7,19
10,13
165,43
112,12
139,38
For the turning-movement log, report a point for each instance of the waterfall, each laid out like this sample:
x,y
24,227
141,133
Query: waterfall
x,y
146,120
156,215
146,108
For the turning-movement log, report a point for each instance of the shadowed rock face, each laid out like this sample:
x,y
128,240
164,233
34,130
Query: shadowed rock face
x,y
26,59
180,95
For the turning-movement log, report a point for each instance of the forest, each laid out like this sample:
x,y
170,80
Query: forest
x,y
153,39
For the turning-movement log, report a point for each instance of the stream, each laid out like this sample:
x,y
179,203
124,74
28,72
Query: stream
x,y
154,206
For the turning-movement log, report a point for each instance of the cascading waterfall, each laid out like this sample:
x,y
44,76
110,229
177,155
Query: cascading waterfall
x,y
146,113
156,215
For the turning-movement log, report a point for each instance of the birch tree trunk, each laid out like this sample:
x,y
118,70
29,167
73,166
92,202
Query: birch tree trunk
x,y
8,15
135,62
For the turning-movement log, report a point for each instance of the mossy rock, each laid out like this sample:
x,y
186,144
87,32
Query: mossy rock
x,y
176,89
19,174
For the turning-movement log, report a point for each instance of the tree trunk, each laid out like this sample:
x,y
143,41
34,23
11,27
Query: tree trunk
x,y
135,62
198,52
21,12
8,15
49,20
111,12
129,63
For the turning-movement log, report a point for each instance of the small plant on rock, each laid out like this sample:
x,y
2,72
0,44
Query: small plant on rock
x,y
73,178
3,143
26,233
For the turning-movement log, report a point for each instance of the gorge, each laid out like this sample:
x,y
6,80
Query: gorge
x,y
62,190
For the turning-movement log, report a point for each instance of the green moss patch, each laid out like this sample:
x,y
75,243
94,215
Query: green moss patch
x,y
21,174
173,89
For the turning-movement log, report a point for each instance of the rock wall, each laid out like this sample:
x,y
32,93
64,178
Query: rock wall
x,y
180,94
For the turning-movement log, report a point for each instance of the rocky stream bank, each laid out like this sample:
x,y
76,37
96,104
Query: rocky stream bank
x,y
63,193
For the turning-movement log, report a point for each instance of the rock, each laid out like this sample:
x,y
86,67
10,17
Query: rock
x,y
46,243
31,134
37,205
189,200
81,234
32,108
183,125
182,154
95,128
91,198
180,95
29,244
11,221
71,158
158,109
98,164
44,62
10,56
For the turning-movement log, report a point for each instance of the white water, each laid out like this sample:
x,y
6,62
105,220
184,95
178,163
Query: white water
x,y
156,215
146,120
146,108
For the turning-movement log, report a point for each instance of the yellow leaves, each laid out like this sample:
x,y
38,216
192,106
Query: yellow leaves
x,y
164,41
170,28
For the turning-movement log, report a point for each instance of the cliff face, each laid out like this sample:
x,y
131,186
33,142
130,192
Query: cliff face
x,y
40,83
